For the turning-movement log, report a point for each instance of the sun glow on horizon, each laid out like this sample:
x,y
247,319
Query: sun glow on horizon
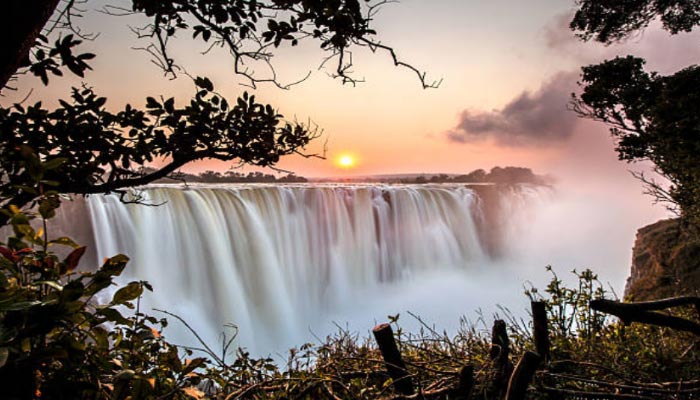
x,y
345,161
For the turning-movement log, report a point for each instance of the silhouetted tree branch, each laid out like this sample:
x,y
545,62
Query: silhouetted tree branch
x,y
610,21
83,148
633,312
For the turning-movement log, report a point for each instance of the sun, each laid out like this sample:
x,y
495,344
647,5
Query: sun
x,y
345,161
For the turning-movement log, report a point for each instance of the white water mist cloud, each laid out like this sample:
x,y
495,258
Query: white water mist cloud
x,y
531,118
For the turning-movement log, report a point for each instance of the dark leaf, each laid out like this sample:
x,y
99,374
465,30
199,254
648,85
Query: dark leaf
x,y
152,103
71,262
204,83
191,365
127,293
66,241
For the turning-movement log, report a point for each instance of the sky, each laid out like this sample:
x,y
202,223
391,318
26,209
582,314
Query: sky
x,y
507,69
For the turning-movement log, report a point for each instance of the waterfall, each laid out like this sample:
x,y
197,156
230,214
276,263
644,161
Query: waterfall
x,y
275,259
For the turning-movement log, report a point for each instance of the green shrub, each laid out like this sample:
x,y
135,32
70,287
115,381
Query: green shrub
x,y
58,342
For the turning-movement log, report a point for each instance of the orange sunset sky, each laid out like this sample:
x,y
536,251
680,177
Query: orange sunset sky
x,y
508,68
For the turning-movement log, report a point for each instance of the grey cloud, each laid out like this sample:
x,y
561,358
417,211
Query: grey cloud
x,y
558,35
539,117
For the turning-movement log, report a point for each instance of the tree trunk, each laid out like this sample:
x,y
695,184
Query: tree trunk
x,y
21,22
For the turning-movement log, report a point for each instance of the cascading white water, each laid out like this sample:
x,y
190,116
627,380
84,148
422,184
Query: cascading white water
x,y
276,259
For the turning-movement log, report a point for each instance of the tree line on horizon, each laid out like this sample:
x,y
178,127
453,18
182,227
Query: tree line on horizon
x,y
211,176
504,175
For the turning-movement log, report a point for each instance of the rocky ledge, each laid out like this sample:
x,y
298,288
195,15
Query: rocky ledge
x,y
665,263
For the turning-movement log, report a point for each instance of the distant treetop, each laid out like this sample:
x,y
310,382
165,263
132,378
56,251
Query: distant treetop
x,y
612,20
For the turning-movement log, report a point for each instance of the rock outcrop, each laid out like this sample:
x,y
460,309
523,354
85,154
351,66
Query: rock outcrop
x,y
665,263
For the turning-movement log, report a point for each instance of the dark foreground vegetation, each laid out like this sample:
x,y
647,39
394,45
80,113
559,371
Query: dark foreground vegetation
x,y
63,337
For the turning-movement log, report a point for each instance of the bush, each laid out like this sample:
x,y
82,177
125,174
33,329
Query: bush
x,y
58,342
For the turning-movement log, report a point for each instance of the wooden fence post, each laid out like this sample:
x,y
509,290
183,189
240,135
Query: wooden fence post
x,y
540,330
500,345
501,366
466,383
522,376
395,366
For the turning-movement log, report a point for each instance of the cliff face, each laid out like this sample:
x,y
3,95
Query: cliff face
x,y
665,263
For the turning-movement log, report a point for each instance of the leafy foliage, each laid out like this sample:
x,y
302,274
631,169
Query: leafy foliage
x,y
62,334
249,30
653,118
46,58
335,24
611,20
592,353
87,149
59,341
